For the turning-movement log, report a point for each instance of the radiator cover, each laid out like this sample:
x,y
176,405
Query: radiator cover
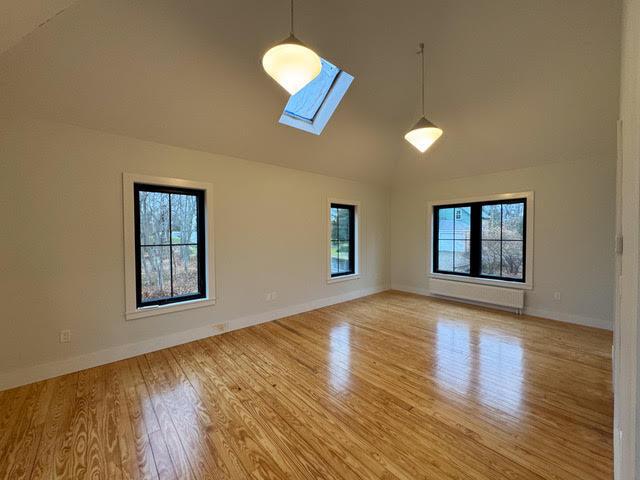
x,y
502,296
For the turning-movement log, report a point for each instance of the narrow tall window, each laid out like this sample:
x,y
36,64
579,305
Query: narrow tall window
x,y
170,245
481,239
343,239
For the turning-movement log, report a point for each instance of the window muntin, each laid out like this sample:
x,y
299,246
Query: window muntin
x,y
481,239
170,244
343,233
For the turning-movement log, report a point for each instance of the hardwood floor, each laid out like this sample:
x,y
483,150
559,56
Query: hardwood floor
x,y
392,386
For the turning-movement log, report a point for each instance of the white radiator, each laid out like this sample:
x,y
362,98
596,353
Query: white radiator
x,y
504,297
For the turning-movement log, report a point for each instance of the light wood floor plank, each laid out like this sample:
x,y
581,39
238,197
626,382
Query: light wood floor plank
x,y
361,412
57,421
392,386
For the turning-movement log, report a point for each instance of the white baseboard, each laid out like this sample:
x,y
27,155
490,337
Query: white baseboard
x,y
569,318
23,376
411,289
534,312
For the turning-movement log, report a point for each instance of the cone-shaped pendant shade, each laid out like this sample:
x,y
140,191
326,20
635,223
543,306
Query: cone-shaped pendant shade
x,y
291,64
423,135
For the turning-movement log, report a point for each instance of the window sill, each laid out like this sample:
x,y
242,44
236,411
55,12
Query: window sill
x,y
484,281
343,278
172,308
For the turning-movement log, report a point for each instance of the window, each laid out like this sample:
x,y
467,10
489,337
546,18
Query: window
x,y
168,245
311,108
485,239
170,248
306,103
342,239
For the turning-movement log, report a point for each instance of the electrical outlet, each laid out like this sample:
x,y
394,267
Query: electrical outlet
x,y
270,296
220,327
65,336
557,297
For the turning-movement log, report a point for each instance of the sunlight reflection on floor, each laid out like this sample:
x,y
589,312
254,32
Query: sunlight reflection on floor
x,y
340,356
481,365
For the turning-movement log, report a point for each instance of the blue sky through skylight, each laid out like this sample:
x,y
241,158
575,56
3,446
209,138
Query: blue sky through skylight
x,y
306,103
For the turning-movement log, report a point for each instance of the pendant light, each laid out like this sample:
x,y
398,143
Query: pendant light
x,y
424,133
291,63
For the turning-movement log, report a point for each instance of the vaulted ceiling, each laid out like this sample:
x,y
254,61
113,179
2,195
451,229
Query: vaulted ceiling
x,y
512,83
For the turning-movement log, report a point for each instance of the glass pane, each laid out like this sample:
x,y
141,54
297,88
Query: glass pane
x,y
334,224
490,258
462,223
185,270
306,103
155,273
445,223
154,218
445,255
461,258
184,218
512,259
513,221
344,218
491,218
344,255
335,259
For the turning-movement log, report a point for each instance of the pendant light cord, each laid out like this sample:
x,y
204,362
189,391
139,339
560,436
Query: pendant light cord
x,y
291,17
422,72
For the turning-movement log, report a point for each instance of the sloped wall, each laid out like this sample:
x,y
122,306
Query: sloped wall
x,y
62,245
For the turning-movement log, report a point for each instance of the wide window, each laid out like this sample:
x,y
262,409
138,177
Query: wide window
x,y
343,239
170,244
481,239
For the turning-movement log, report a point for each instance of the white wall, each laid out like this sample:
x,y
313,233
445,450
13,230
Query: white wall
x,y
61,239
627,338
573,235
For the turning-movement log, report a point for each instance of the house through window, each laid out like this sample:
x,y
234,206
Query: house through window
x,y
343,235
481,239
170,244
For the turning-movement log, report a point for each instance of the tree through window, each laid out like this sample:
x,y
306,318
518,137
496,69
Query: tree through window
x,y
170,247
481,239
343,250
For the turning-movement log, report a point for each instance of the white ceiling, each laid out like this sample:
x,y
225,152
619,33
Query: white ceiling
x,y
18,18
513,83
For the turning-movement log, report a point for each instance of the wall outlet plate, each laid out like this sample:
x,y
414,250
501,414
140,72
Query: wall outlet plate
x,y
65,336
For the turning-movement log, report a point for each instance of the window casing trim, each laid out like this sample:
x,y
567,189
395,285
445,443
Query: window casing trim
x,y
357,241
132,311
527,284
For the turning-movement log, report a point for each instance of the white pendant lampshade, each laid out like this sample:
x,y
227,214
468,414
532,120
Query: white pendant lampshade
x,y
424,133
291,63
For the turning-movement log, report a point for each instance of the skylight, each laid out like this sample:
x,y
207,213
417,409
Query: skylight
x,y
311,108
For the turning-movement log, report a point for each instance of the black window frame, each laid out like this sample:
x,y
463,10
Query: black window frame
x,y
351,240
201,244
475,239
